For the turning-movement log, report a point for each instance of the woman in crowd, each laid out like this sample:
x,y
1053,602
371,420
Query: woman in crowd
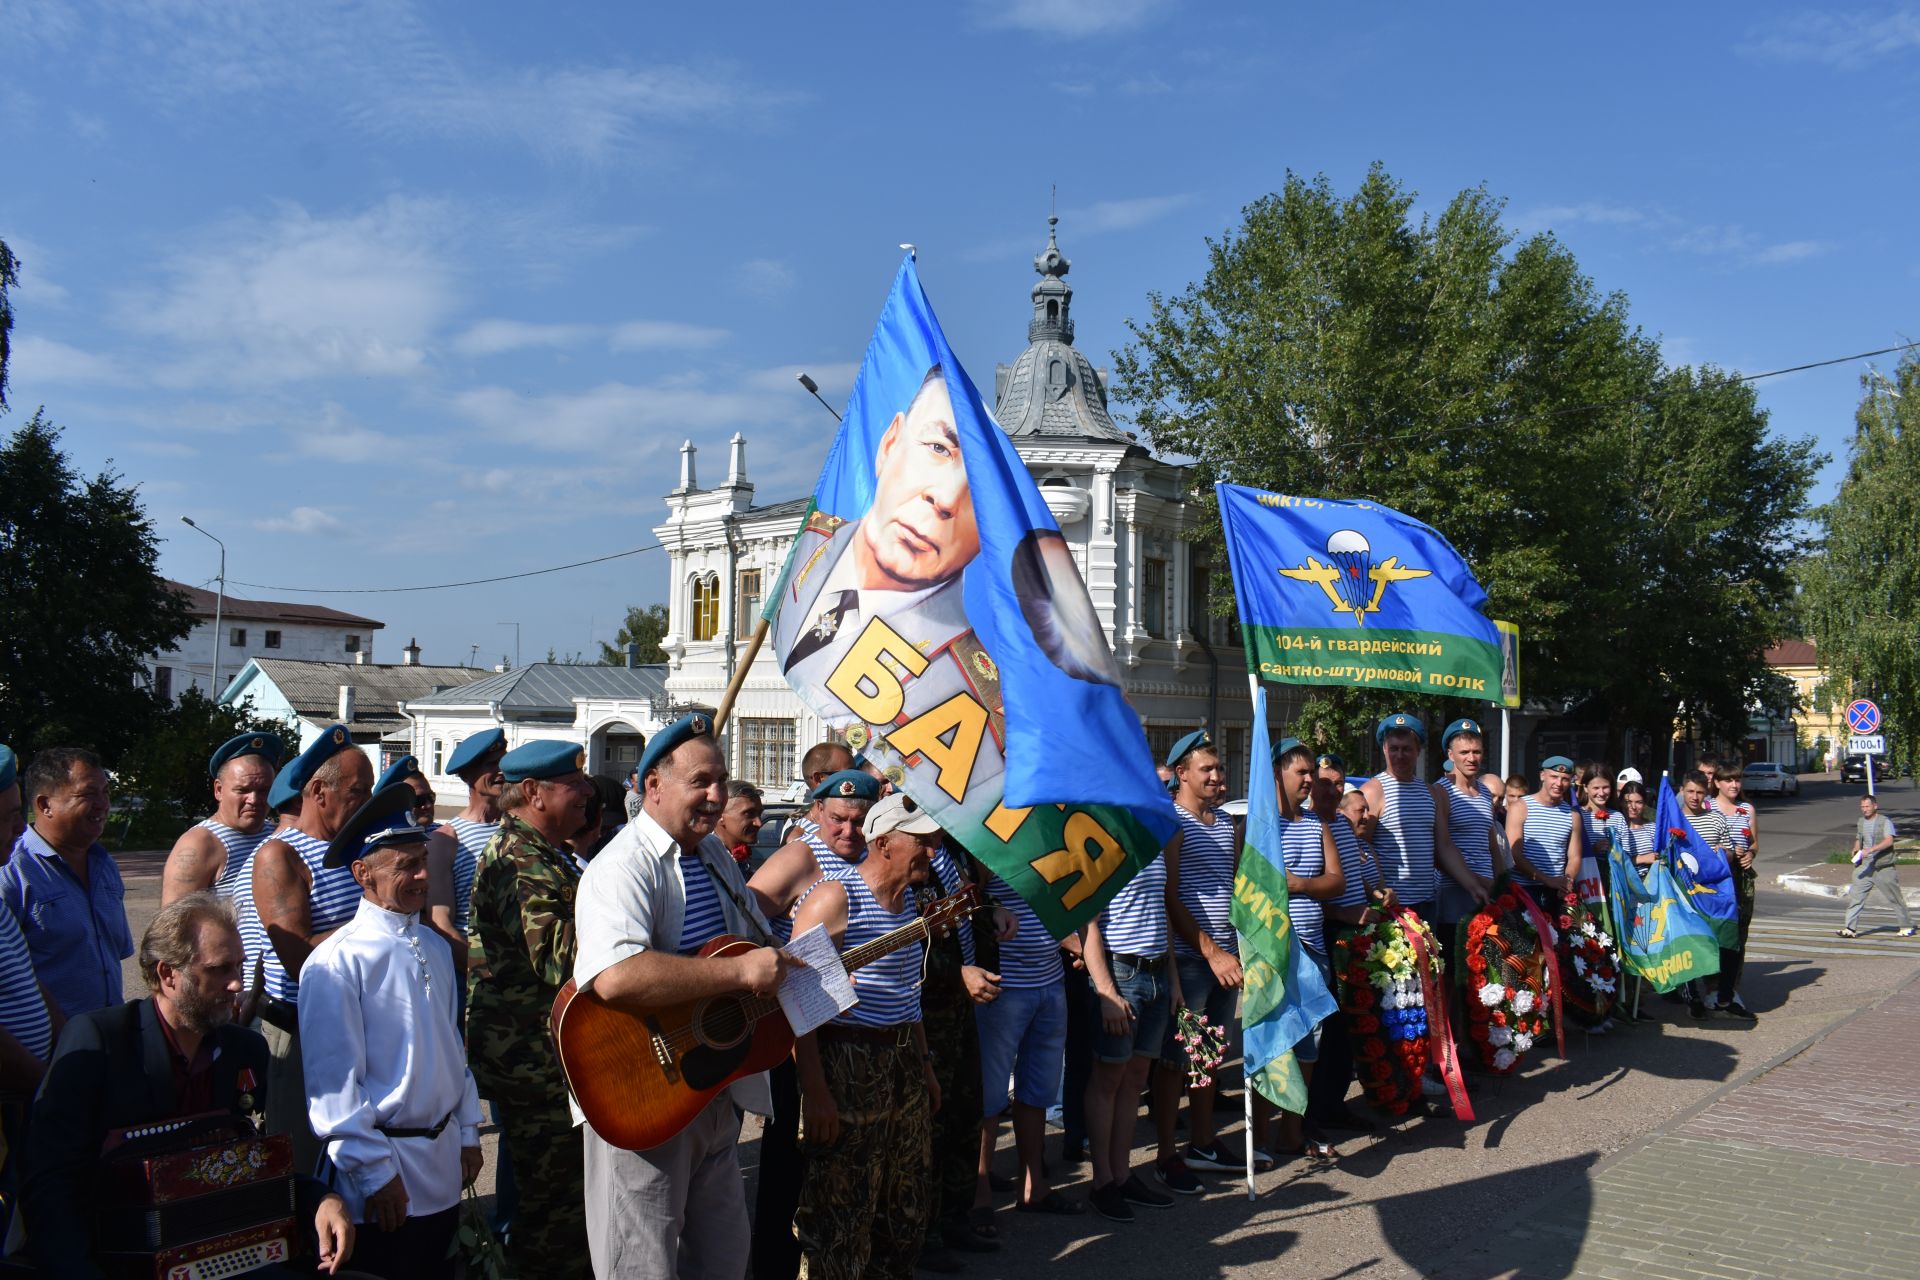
x,y
1601,826
1638,836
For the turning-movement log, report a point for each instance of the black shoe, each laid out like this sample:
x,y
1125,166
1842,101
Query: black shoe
x,y
1174,1175
1138,1192
1110,1202
1737,1011
1698,1009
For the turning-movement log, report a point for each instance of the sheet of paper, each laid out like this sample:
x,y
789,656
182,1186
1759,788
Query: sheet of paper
x,y
812,995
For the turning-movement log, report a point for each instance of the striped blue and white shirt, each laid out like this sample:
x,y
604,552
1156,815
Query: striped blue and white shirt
x,y
473,837
1739,825
334,900
1346,842
1208,859
239,846
1403,842
1543,839
946,874
23,1014
888,988
1031,958
1135,919
1301,851
1470,823
705,919
1641,840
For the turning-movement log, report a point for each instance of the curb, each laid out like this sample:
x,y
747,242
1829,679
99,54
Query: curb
x,y
1794,882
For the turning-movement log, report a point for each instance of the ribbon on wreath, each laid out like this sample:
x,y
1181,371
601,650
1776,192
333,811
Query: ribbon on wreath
x,y
1544,928
1439,1023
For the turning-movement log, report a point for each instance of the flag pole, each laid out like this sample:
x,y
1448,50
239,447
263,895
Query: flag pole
x,y
721,712
1254,751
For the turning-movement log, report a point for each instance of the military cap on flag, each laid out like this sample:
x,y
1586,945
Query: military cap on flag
x,y
1397,721
1458,727
472,751
848,784
1192,742
542,760
1286,747
399,771
386,819
9,766
331,742
675,735
265,745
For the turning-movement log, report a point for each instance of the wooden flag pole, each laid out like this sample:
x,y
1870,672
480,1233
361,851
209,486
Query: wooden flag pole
x,y
725,709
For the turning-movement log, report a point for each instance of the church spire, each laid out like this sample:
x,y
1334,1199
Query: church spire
x,y
1053,296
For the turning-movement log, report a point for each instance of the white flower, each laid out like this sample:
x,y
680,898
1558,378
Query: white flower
x,y
1492,994
1601,984
1497,1036
1606,942
1522,1041
1523,1002
1580,965
1504,1059
1586,927
1381,979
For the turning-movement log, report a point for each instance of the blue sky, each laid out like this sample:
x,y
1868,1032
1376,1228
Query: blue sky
x,y
388,294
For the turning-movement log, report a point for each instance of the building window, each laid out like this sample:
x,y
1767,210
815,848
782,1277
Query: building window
x,y
439,758
1153,597
273,640
353,644
746,604
706,608
767,751
237,637
163,683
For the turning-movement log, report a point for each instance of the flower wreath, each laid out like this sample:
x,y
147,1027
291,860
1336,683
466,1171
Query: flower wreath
x,y
1381,994
1506,980
1589,961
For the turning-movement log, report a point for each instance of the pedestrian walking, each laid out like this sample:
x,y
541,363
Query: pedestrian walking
x,y
1874,868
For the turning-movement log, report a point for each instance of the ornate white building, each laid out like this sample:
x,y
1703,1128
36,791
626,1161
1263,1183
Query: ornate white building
x,y
1123,513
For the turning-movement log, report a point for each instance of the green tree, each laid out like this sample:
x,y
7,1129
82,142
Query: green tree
x,y
646,626
1337,347
83,604
1861,598
167,767
9,278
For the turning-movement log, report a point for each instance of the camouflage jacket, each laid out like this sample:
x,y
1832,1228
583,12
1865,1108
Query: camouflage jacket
x,y
523,892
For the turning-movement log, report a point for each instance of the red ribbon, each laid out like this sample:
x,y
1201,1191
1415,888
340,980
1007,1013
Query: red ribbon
x,y
1546,931
1439,1024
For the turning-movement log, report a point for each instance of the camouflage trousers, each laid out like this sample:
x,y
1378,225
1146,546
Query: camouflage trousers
x,y
954,1040
866,1200
549,1167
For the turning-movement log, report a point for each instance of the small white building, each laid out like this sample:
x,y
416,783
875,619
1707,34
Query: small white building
x,y
609,711
308,697
254,629
1122,511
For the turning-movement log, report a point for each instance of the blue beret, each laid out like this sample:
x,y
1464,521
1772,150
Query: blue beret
x,y
1192,742
281,794
848,784
472,751
1556,764
1286,746
1459,727
542,760
1173,786
9,766
399,771
680,732
385,819
1400,720
1330,760
331,742
265,745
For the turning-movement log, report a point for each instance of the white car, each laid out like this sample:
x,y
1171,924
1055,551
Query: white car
x,y
1765,778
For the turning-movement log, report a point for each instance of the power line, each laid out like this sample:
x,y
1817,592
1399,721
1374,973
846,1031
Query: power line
x,y
444,586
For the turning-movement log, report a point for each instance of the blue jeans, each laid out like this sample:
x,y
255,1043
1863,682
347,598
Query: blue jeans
x,y
1148,991
1201,992
1023,1033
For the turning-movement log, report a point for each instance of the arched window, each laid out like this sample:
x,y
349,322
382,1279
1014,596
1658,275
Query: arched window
x,y
706,608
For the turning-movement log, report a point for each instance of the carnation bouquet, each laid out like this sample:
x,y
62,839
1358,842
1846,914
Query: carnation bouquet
x,y
1506,980
1589,961
1205,1045
1382,991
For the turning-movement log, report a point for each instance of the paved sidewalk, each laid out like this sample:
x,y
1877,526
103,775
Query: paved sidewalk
x,y
1811,1169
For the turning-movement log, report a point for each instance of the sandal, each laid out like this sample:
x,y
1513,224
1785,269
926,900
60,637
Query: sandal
x,y
980,1225
1846,933
1053,1203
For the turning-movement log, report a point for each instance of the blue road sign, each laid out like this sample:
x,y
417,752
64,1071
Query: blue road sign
x,y
1863,717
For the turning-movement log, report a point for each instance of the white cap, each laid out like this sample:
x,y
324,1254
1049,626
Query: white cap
x,y
898,812
1628,774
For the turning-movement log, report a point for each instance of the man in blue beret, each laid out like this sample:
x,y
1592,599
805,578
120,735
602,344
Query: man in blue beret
x,y
523,922
1330,766
476,762
650,900
212,853
297,901
1403,842
822,758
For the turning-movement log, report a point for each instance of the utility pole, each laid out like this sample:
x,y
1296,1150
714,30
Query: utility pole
x,y
219,601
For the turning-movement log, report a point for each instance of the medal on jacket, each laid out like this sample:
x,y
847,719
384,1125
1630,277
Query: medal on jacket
x,y
244,1081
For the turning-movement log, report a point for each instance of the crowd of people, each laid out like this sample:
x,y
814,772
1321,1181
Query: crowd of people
x,y
365,980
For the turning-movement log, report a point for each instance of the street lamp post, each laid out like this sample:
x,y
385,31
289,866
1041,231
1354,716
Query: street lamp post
x,y
219,601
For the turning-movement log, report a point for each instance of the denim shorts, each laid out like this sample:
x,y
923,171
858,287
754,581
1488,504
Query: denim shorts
x,y
1201,992
1152,1000
1023,1034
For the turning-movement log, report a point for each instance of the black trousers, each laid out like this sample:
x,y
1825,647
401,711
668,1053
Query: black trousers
x,y
417,1251
1079,1061
776,1251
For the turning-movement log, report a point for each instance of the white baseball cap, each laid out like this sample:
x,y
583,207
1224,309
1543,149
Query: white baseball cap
x,y
898,812
1628,774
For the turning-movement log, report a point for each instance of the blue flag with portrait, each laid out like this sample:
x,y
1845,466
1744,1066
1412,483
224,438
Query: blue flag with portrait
x,y
1699,868
933,615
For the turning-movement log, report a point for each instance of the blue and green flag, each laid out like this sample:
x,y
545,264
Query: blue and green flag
x,y
1662,937
1284,996
932,614
1352,593
1701,871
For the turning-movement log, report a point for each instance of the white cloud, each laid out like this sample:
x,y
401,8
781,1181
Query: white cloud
x,y
1594,213
614,417
36,360
492,337
764,277
300,520
1067,17
1124,215
1844,41
36,285
1734,241
663,335
1791,251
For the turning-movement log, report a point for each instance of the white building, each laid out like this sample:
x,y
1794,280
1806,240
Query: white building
x,y
254,629
1122,511
308,697
609,711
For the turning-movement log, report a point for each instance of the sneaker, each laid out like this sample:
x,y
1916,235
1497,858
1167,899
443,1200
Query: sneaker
x,y
1174,1175
1698,1009
1138,1192
1431,1088
1907,932
1601,1028
1110,1202
1213,1157
1737,1011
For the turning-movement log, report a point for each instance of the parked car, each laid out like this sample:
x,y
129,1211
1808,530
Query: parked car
x,y
1765,778
1854,769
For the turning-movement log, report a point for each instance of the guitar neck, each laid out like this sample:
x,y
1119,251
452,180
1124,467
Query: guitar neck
x,y
887,943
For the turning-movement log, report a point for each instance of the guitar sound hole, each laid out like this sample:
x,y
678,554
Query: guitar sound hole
x,y
720,1023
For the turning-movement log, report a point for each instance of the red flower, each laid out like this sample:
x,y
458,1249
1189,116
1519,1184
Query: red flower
x,y
1372,1049
1676,833
1601,814
1499,1017
1365,1024
1380,1071
1565,922
1361,998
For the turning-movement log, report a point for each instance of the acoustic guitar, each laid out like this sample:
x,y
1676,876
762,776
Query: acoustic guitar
x,y
641,1074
